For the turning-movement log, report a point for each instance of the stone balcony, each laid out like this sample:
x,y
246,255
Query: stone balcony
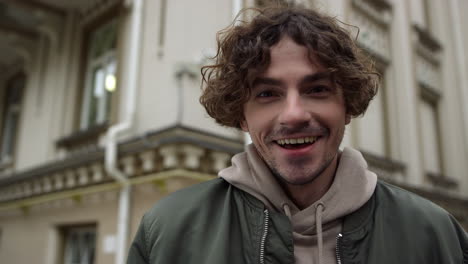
x,y
159,155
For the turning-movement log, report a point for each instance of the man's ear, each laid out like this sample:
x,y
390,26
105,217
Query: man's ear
x,y
347,119
243,125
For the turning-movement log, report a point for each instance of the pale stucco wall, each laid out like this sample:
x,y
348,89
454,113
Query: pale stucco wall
x,y
33,237
190,29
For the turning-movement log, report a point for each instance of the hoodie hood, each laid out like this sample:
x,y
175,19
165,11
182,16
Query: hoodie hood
x,y
352,187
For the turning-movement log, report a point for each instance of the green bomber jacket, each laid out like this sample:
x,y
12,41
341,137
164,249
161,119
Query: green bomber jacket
x,y
214,222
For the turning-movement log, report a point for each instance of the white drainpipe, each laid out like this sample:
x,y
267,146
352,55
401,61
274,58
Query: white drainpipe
x,y
236,7
111,152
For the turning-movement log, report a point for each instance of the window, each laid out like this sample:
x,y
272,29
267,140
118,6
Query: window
x,y
11,115
373,20
80,245
100,79
373,126
430,132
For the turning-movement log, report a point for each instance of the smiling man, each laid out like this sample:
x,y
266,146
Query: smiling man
x,y
293,79
296,117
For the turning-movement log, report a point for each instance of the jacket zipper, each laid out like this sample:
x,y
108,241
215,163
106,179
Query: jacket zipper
x,y
264,236
338,255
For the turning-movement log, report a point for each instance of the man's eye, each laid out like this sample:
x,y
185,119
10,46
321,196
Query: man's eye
x,y
318,89
265,94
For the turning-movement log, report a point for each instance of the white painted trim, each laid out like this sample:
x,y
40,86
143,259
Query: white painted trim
x,y
236,7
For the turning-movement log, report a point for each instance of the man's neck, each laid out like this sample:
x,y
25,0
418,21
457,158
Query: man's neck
x,y
306,194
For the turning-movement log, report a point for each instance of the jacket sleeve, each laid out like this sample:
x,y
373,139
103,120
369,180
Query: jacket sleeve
x,y
138,253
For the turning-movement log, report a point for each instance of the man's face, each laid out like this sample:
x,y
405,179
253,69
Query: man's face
x,y
295,115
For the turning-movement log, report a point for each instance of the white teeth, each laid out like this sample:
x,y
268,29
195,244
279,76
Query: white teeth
x,y
296,140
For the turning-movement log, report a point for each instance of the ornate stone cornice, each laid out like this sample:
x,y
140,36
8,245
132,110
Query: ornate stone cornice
x,y
167,149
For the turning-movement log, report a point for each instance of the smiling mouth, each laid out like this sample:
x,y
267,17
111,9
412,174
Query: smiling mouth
x,y
296,143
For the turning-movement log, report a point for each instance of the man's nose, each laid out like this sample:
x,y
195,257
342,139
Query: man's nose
x,y
294,112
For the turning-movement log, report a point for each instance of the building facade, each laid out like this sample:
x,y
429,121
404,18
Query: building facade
x,y
99,112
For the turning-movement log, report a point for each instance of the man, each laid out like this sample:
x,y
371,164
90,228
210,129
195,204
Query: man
x,y
293,79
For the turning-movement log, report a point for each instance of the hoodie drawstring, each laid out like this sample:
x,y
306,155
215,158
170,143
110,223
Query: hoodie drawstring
x,y
318,224
287,210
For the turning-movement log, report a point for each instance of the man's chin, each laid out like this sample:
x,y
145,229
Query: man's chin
x,y
299,180
294,177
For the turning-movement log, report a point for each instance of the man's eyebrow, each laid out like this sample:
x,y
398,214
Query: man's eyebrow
x,y
319,76
266,81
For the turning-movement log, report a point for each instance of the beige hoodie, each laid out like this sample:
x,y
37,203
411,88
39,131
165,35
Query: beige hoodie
x,y
316,227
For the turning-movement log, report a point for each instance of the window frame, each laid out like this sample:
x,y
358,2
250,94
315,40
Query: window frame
x,y
114,12
431,98
88,66
67,232
8,161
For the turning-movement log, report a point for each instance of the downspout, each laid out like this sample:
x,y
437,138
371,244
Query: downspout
x,y
236,7
111,151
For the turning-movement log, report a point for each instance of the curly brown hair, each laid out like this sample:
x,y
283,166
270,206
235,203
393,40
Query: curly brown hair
x,y
244,52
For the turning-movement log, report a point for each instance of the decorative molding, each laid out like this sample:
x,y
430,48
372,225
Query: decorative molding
x,y
374,11
169,180
129,164
427,73
148,159
430,94
427,39
14,32
192,156
170,158
47,184
82,137
220,160
83,175
427,62
97,172
379,4
59,182
70,179
374,35
440,180
94,9
26,54
37,7
171,148
384,167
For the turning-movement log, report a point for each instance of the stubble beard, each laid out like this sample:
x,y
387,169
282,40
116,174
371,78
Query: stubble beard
x,y
312,174
309,175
